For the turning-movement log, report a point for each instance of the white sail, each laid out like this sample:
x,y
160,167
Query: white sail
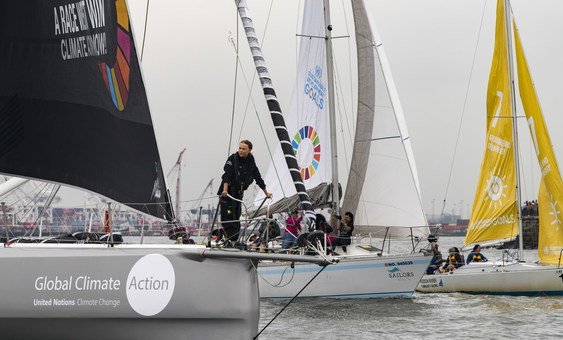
x,y
307,119
390,194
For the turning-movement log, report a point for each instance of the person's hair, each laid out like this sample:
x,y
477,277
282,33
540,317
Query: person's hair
x,y
319,218
349,214
247,142
475,247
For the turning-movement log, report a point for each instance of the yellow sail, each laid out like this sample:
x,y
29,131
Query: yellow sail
x,y
494,214
550,197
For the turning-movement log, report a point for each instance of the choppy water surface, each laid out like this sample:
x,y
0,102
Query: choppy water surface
x,y
426,316
429,316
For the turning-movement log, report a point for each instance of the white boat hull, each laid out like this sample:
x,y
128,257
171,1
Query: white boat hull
x,y
359,276
125,292
496,278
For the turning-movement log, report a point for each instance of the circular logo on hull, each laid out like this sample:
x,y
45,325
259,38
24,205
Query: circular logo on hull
x,y
150,284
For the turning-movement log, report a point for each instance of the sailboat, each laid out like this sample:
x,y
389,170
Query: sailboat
x,y
73,110
496,214
382,188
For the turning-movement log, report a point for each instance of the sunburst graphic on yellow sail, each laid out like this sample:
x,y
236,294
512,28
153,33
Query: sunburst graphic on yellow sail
x,y
494,214
496,191
550,197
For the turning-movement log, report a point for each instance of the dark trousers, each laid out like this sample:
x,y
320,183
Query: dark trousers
x,y
230,210
342,241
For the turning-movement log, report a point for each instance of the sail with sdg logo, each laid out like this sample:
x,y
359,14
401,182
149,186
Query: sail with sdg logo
x,y
375,274
307,119
495,215
73,110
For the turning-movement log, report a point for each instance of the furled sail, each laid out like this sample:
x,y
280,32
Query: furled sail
x,y
307,119
494,216
382,188
550,198
73,107
287,145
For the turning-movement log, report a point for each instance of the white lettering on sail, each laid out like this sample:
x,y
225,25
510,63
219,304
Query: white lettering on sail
x,y
498,145
490,222
57,25
497,111
532,126
96,13
81,16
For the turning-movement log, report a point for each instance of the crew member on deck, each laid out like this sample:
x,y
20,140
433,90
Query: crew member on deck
x,y
240,171
476,256
453,261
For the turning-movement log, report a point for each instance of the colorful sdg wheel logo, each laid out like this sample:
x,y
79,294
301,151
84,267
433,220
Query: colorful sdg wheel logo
x,y
307,147
116,78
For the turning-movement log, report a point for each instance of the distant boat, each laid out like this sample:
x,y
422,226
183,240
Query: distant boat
x,y
496,215
382,188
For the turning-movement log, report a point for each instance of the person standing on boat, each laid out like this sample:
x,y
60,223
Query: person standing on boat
x,y
476,256
240,171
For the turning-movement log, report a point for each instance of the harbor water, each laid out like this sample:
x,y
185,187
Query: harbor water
x,y
425,316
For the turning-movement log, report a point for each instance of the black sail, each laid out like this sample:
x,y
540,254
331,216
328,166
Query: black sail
x,y
73,107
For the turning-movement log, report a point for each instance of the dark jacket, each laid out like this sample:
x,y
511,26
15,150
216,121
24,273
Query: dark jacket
x,y
240,173
476,257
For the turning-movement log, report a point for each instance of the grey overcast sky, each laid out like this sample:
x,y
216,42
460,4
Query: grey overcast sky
x,y
432,47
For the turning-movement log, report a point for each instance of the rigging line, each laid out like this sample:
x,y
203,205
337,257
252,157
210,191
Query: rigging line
x,y
338,94
250,99
26,203
234,88
350,71
145,29
292,299
297,38
279,284
463,111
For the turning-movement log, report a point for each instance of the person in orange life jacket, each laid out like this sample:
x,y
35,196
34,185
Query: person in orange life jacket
x,y
239,172
476,256
453,261
292,229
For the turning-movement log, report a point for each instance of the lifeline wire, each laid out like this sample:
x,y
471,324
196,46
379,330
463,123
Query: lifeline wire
x,y
145,30
287,305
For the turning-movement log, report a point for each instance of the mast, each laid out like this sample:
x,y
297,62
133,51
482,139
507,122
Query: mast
x,y
178,182
275,108
508,27
331,109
